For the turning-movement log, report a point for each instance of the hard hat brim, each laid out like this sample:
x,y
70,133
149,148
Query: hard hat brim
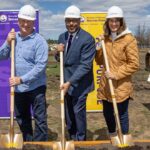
x,y
69,16
114,16
26,17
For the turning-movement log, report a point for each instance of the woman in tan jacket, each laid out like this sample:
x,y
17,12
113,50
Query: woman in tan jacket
x,y
123,58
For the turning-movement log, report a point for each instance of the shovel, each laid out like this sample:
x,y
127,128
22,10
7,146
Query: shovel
x,y
11,140
120,140
63,144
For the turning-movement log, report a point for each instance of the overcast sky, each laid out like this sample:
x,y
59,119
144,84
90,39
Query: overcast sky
x,y
136,12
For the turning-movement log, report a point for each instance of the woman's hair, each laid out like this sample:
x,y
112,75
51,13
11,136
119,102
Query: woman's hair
x,y
107,30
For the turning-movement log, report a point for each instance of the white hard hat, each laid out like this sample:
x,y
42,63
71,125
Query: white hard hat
x,y
72,12
27,12
115,12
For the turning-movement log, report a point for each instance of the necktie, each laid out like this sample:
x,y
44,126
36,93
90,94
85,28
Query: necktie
x,y
69,42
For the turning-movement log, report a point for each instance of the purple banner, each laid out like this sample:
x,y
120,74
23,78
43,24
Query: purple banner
x,y
8,20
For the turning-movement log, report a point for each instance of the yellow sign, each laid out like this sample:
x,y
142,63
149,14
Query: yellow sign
x,y
93,22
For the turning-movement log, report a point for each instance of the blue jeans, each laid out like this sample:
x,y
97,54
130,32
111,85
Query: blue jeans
x,y
108,112
75,112
36,101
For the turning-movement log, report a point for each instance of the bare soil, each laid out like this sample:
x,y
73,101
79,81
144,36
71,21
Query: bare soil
x,y
137,146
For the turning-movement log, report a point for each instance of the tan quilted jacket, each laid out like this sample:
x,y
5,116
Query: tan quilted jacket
x,y
123,58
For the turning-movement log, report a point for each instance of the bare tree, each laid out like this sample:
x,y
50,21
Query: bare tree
x,y
143,36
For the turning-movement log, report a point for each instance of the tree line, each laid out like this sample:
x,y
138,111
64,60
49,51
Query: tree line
x,y
143,36
51,41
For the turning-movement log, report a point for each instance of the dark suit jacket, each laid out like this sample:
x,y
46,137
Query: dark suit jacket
x,y
78,62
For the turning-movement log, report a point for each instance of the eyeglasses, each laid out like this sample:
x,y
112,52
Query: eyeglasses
x,y
74,20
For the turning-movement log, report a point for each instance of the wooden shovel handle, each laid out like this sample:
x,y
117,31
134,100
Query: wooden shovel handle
x,y
109,80
62,101
12,55
12,89
12,70
61,73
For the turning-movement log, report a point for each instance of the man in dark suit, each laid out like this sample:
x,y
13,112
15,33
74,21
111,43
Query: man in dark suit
x,y
79,52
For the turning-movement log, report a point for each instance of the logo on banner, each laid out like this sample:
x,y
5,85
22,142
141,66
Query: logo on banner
x,y
82,19
3,18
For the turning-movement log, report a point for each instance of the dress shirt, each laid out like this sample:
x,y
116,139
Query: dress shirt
x,y
31,56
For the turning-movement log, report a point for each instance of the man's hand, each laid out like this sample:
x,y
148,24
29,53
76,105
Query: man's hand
x,y
11,35
60,47
110,75
14,81
65,87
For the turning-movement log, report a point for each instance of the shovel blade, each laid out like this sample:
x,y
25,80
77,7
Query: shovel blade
x,y
115,140
127,141
6,142
57,146
68,146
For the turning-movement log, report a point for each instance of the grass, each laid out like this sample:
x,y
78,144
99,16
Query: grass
x,y
53,68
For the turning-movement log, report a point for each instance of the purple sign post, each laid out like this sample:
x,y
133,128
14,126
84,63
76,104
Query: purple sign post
x,y
8,20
